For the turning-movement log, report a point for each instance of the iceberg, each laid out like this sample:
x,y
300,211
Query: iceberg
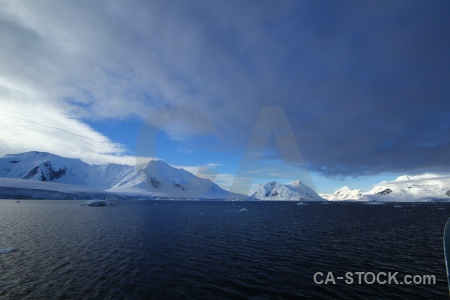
x,y
96,203
7,250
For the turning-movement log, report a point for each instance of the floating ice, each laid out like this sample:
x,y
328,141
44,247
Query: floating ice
x,y
96,203
7,250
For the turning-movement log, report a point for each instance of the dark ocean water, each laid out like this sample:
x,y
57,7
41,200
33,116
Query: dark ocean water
x,y
214,250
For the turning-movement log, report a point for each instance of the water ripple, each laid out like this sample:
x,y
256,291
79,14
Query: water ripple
x,y
208,250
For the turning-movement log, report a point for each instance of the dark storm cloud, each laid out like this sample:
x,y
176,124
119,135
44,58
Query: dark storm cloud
x,y
382,103
364,84
366,87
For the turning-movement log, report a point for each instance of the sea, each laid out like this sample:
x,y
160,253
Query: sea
x,y
53,249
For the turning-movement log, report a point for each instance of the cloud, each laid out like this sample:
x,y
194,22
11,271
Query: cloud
x,y
27,128
186,150
364,85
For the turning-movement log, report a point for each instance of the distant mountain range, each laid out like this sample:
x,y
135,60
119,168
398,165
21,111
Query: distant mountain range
x,y
426,187
153,179
44,175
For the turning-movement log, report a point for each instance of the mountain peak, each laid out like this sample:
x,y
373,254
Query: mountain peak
x,y
344,193
295,182
157,162
295,190
403,178
344,188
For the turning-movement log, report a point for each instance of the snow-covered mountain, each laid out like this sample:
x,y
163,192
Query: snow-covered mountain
x,y
41,173
412,188
344,193
155,178
43,166
159,178
295,190
424,187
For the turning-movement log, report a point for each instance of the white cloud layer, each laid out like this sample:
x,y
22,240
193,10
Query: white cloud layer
x,y
43,128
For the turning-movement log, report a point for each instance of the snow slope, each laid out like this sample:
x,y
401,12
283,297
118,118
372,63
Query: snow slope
x,y
43,166
11,188
155,178
295,190
158,178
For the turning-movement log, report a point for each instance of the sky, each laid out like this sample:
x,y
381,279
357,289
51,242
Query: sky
x,y
330,92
